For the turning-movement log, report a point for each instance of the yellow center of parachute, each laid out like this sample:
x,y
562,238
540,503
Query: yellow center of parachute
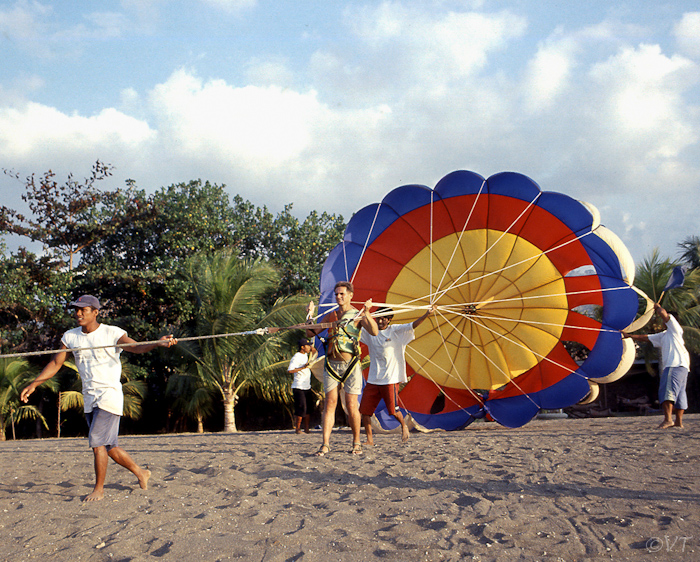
x,y
502,308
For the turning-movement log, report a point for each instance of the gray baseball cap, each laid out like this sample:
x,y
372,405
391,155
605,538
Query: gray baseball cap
x,y
86,300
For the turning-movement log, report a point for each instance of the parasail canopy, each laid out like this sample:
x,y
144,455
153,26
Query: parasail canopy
x,y
515,272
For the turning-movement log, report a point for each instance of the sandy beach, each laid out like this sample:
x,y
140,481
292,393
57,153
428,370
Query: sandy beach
x,y
564,490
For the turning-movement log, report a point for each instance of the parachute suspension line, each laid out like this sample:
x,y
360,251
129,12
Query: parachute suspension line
x,y
457,245
331,307
433,298
449,374
542,357
497,319
362,254
456,285
345,260
412,353
506,375
430,278
565,294
256,332
469,268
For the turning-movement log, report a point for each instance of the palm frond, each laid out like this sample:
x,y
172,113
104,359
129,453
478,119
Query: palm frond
x,y
71,400
26,412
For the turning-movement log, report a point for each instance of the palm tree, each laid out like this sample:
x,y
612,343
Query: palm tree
x,y
233,297
193,394
15,374
651,277
691,251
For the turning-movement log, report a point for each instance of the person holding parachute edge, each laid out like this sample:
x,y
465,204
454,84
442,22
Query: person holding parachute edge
x,y
675,359
342,366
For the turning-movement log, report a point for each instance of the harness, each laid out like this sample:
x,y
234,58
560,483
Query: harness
x,y
351,340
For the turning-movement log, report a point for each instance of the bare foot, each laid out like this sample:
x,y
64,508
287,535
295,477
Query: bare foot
x,y
679,425
665,424
405,434
143,479
95,496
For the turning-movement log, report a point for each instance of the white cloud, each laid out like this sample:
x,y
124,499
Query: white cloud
x,y
404,49
34,130
548,74
270,71
687,33
261,125
404,94
642,97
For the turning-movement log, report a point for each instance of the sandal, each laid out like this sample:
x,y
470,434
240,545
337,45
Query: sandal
x,y
356,449
323,451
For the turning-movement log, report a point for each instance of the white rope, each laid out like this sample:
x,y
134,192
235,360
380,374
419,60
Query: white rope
x,y
530,204
459,238
257,332
362,254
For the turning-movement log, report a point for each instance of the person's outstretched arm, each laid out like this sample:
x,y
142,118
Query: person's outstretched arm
x,y
165,341
52,367
420,320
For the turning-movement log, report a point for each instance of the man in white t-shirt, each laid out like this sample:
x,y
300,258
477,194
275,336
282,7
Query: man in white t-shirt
x,y
387,368
675,363
301,385
100,372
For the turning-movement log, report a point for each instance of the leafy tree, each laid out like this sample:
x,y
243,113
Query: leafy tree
x,y
187,219
68,218
197,218
15,374
32,301
299,249
231,296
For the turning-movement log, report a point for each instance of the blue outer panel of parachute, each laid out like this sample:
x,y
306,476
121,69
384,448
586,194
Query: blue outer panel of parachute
x,y
569,211
403,200
460,183
512,184
368,223
620,303
334,268
603,257
605,355
516,411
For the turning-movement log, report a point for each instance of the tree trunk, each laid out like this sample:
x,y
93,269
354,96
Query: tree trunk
x,y
229,417
58,421
200,424
2,428
39,426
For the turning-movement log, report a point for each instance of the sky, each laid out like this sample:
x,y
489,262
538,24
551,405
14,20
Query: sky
x,y
329,105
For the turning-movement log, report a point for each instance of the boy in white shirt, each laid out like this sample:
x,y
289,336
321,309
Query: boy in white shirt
x,y
301,385
387,368
100,372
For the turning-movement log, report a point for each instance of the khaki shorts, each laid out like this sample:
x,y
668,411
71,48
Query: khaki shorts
x,y
352,384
